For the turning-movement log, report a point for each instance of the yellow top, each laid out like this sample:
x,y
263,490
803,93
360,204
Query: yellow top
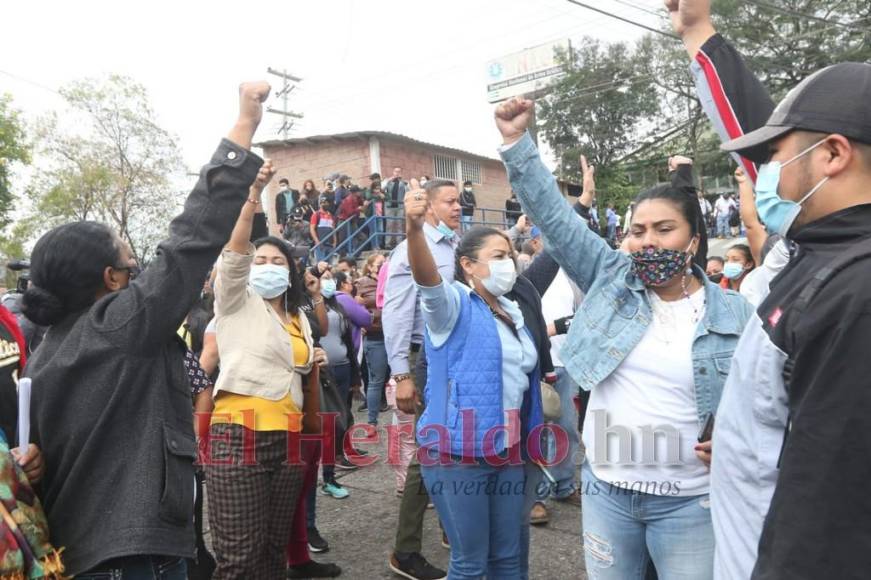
x,y
260,414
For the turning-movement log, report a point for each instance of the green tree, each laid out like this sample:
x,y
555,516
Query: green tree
x,y
113,163
13,149
599,108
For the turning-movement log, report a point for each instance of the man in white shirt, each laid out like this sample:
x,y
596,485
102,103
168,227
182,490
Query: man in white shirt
x,y
722,209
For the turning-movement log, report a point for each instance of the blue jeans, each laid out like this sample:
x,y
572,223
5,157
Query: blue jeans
x,y
622,527
564,471
612,232
481,509
535,485
378,231
139,568
723,226
321,252
342,374
376,359
466,222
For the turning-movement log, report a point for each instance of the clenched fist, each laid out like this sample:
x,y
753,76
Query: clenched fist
x,y
691,20
264,176
416,205
251,98
513,117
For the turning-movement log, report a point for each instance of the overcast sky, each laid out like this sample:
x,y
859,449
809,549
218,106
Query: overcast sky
x,y
415,67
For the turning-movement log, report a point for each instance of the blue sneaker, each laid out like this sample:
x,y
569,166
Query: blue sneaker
x,y
332,488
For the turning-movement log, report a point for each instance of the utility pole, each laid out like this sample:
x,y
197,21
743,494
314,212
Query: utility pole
x,y
288,117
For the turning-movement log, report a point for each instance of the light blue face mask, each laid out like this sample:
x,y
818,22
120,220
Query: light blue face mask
x,y
269,280
445,230
776,213
733,270
328,288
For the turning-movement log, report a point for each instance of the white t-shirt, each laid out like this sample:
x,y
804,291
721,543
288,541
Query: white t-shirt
x,y
558,302
652,387
755,286
723,205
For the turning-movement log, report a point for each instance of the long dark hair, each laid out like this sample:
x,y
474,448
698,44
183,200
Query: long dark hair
x,y
687,202
66,270
294,297
470,245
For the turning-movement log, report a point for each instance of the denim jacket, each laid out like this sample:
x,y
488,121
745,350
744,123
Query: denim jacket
x,y
616,311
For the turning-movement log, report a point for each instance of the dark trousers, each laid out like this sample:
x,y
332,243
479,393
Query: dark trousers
x,y
139,568
297,544
409,533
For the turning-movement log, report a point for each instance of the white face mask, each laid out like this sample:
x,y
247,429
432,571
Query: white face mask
x,y
503,274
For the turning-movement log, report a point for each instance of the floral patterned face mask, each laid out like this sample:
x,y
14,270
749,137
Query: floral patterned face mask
x,y
656,266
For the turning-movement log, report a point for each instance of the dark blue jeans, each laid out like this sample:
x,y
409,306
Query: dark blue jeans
x,y
376,359
342,374
139,568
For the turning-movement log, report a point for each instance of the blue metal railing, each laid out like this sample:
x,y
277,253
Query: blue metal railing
x,y
376,230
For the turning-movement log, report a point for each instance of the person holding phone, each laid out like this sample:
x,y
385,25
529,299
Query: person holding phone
x,y
653,342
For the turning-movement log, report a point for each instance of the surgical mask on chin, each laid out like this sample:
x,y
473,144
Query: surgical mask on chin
x,y
733,270
445,230
503,274
328,288
269,280
776,213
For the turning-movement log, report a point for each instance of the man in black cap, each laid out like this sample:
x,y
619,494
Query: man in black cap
x,y
791,445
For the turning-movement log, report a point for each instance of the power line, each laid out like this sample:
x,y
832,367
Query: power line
x,y
30,82
641,8
622,19
791,12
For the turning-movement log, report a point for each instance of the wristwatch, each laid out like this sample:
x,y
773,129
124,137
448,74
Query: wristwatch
x,y
401,377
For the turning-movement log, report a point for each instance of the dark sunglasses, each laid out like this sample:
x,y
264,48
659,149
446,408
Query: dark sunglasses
x,y
132,271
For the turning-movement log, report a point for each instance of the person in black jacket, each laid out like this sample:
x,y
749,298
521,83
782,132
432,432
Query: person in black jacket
x,y
796,409
111,407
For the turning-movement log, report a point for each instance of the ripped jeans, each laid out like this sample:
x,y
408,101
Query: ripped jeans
x,y
623,530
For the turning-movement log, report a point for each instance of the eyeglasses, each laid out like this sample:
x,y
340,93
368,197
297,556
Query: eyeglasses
x,y
132,271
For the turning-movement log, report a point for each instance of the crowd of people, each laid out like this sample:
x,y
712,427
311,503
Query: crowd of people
x,y
371,216
717,402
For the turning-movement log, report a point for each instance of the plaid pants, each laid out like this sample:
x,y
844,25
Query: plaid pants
x,y
251,502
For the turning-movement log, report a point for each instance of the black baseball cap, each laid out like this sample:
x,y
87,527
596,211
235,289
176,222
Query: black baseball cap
x,y
832,100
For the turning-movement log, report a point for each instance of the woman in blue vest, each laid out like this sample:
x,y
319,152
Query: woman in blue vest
x,y
653,340
482,397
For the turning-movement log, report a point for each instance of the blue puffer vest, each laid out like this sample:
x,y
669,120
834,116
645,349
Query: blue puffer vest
x,y
463,391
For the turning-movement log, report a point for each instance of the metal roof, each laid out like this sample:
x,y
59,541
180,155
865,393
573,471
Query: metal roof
x,y
366,135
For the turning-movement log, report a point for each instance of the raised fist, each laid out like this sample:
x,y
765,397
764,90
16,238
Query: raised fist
x,y
589,174
740,176
251,98
416,204
678,160
513,117
686,14
264,176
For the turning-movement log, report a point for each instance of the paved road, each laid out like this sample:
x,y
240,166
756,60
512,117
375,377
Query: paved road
x,y
361,528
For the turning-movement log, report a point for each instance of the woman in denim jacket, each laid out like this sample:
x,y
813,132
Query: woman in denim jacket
x,y
655,338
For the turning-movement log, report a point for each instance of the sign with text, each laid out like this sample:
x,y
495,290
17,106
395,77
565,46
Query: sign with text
x,y
525,72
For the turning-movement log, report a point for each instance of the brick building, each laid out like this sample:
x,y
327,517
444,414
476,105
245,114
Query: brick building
x,y
362,153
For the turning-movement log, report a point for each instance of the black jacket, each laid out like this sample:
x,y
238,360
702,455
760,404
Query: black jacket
x,y
527,297
111,403
816,526
817,523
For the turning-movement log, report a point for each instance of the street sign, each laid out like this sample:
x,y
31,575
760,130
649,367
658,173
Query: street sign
x,y
526,72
